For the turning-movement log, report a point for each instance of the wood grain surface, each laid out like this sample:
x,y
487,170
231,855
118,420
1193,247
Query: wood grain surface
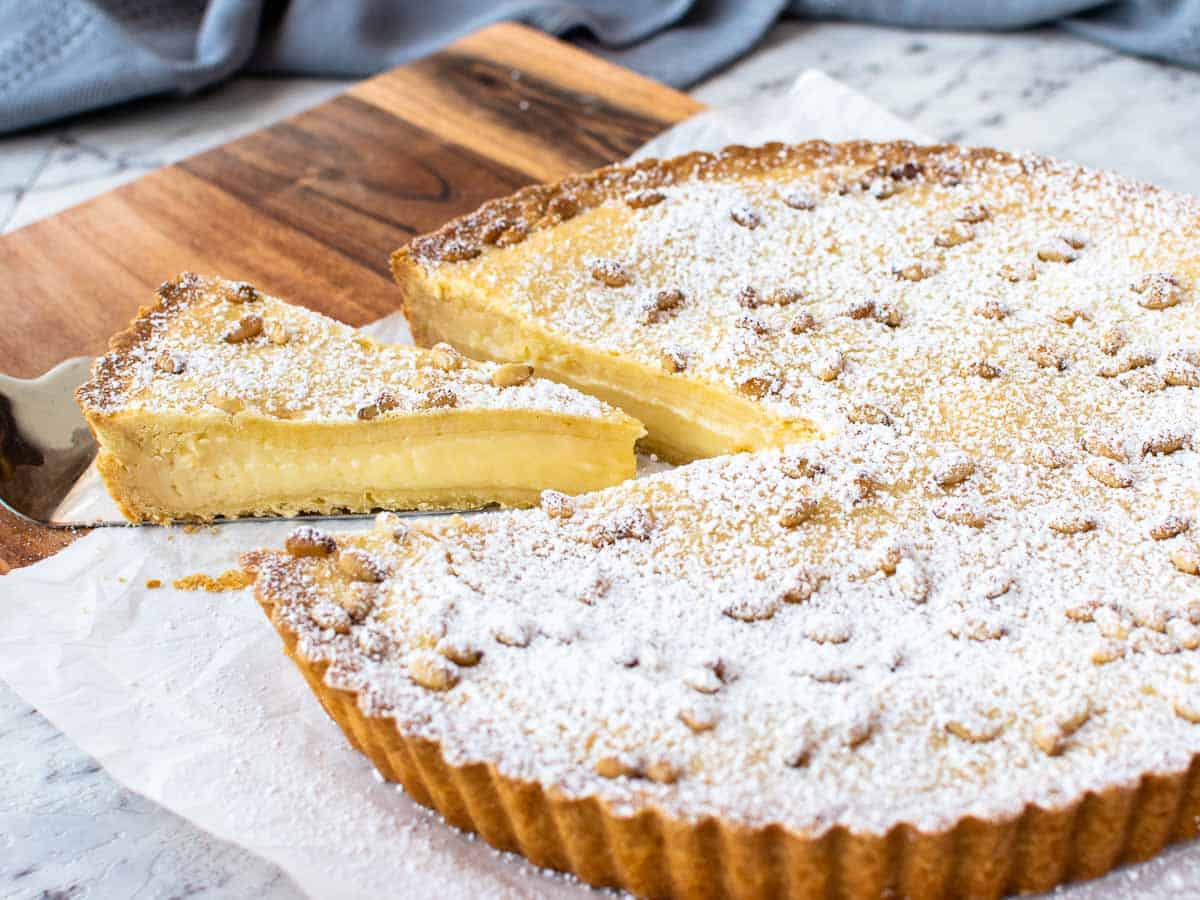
x,y
310,208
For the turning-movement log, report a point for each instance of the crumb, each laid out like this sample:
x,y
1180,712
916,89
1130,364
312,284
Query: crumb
x,y
233,580
153,583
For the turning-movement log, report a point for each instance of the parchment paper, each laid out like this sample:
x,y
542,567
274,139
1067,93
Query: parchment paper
x,y
187,699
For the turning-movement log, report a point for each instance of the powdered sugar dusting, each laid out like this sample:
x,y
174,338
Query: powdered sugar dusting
x,y
299,365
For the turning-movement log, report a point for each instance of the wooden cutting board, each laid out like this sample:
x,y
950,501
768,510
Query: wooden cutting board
x,y
311,207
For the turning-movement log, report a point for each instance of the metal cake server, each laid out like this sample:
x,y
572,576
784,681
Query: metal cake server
x,y
47,449
45,445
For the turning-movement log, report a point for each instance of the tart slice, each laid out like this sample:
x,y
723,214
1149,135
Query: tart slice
x,y
863,668
761,295
221,401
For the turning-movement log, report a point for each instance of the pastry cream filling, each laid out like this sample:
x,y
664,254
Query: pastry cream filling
x,y
684,420
246,465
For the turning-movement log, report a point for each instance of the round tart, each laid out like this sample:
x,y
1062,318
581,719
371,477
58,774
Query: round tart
x,y
947,649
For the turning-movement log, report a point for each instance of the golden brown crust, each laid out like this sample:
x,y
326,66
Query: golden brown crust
x,y
543,206
654,854
124,494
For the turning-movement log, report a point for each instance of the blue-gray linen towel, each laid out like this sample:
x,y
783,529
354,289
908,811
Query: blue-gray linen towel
x,y
62,57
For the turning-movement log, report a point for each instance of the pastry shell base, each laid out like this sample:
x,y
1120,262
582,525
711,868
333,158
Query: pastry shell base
x,y
654,854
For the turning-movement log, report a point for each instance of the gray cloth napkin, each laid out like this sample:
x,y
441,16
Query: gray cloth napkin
x,y
61,57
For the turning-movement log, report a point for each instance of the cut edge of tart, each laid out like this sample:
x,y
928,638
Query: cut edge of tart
x,y
222,401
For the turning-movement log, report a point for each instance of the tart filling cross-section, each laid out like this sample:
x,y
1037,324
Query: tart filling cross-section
x,y
220,400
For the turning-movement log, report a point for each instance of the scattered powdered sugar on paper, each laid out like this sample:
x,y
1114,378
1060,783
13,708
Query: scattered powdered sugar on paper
x,y
814,107
187,699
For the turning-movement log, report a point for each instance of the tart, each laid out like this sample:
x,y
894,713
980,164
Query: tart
x,y
759,296
940,642
222,401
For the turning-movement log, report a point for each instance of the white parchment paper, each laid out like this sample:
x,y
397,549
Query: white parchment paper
x,y
186,698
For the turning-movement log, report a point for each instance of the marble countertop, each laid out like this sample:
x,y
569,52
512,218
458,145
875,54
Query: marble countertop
x,y
67,830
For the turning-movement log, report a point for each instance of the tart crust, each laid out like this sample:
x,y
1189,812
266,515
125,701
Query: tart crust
x,y
653,854
542,206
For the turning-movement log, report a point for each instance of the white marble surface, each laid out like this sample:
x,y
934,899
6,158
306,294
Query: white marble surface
x,y
66,829
50,169
1041,90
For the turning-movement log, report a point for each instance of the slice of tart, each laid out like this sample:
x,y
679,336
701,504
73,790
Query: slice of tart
x,y
873,666
758,296
221,401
